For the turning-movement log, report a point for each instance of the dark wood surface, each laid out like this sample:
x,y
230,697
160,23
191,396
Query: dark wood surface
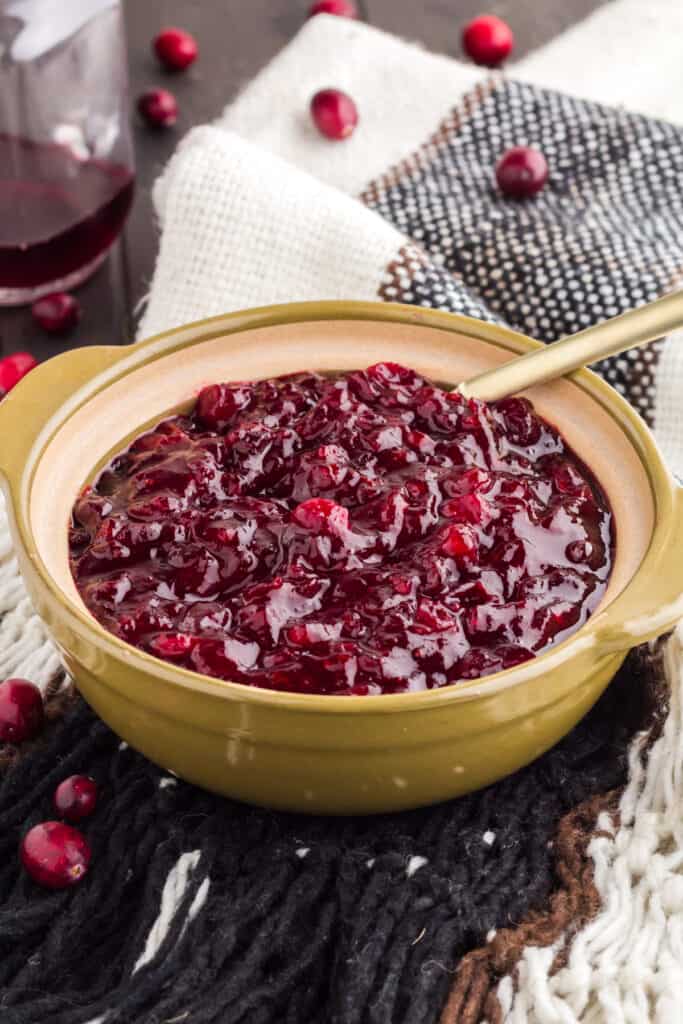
x,y
236,39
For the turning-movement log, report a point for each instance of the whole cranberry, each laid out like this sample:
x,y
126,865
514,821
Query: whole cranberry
x,y
75,798
335,114
521,172
158,108
21,710
488,40
342,8
57,313
13,368
55,855
175,48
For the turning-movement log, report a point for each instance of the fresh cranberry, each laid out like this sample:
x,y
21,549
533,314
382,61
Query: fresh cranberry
x,y
488,40
75,798
55,855
354,534
176,49
334,113
21,710
521,171
13,368
158,107
57,313
342,8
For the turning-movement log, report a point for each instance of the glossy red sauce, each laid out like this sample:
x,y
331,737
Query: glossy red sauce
x,y
360,534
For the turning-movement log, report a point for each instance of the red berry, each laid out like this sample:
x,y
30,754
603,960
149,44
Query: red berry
x,y
75,798
55,855
321,514
172,645
469,508
21,710
219,404
342,8
298,635
459,542
334,113
13,368
488,40
521,171
158,107
57,313
175,48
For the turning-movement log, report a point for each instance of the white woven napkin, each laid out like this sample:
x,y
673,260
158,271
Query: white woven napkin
x,y
257,208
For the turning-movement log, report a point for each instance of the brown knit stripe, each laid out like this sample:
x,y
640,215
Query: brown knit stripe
x,y
422,157
576,900
399,274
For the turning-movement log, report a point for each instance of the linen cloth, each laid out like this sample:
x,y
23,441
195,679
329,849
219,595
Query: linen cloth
x,y
257,208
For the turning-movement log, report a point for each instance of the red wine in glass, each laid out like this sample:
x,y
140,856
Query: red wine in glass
x,y
59,214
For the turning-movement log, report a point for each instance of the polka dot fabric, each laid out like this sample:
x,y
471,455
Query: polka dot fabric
x,y
605,235
415,277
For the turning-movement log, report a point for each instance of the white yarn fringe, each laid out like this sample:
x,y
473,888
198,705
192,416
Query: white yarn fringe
x,y
25,649
172,895
626,965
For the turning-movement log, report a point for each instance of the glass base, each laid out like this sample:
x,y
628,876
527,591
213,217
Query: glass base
x,y
23,296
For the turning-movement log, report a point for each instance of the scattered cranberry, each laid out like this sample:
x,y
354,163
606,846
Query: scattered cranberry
x,y
521,172
342,8
21,710
334,113
75,798
488,40
13,368
158,107
57,313
176,49
55,855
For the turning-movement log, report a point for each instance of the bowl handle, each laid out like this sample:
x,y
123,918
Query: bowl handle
x,y
26,411
655,606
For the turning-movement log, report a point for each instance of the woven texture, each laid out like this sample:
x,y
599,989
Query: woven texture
x,y
555,896
236,914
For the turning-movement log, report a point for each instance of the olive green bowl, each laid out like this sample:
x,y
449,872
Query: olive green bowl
x,y
310,753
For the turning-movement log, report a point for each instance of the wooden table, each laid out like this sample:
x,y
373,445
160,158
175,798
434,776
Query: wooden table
x,y
236,38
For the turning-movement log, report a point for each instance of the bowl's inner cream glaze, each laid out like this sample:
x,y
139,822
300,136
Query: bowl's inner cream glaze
x,y
120,411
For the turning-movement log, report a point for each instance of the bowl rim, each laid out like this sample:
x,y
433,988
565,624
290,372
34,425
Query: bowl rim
x,y
101,366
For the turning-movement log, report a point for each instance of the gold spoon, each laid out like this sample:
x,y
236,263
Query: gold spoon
x,y
637,327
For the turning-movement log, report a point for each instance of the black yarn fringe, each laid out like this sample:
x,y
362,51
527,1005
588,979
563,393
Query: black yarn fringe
x,y
341,935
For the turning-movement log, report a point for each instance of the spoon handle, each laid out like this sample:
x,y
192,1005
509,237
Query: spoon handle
x,y
637,327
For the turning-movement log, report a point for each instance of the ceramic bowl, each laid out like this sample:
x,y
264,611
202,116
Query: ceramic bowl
x,y
328,754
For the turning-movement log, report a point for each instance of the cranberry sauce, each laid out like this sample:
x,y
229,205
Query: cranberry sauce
x,y
363,534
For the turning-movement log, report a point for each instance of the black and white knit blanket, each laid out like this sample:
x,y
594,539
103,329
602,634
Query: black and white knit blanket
x,y
554,896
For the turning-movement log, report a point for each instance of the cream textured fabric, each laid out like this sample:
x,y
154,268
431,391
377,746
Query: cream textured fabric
x,y
245,219
256,209
626,966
